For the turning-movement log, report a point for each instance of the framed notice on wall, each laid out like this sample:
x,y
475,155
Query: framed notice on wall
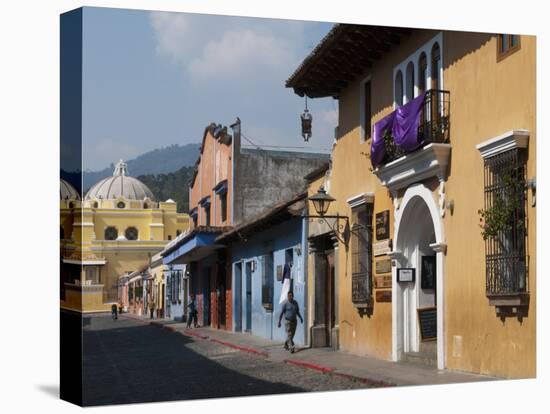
x,y
428,272
383,225
406,274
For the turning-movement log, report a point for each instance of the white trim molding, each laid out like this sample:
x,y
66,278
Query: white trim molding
x,y
410,199
85,262
429,161
426,48
360,199
516,138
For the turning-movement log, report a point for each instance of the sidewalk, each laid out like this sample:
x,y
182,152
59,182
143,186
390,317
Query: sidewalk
x,y
370,370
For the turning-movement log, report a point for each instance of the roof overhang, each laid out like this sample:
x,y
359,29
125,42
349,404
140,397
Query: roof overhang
x,y
345,53
194,249
282,212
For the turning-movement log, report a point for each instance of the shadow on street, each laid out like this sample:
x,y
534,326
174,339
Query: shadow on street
x,y
128,362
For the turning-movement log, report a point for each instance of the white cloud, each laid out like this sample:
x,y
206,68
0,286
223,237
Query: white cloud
x,y
173,34
209,47
240,52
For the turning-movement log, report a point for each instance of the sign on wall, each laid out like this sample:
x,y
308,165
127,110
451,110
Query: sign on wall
x,y
383,225
428,269
383,296
382,281
405,274
381,247
383,266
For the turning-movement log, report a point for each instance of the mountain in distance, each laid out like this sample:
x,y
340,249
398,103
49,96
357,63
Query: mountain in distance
x,y
174,185
159,161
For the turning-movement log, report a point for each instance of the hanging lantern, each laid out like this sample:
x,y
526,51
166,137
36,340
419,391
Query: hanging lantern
x,y
306,124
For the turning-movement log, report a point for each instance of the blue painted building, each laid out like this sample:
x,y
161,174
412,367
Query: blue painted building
x,y
260,248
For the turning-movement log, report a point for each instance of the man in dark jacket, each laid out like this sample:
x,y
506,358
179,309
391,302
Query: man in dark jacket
x,y
290,310
192,315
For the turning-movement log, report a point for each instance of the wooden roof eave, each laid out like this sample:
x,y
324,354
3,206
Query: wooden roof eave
x,y
343,55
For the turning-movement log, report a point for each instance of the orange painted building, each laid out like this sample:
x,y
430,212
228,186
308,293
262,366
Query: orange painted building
x,y
231,183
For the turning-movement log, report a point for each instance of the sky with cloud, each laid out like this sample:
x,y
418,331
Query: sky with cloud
x,y
152,79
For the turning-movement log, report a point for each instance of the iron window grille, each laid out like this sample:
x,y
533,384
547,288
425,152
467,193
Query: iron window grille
x,y
361,251
111,233
267,281
505,245
131,233
223,202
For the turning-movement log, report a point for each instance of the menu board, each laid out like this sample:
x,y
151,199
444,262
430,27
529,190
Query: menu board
x,y
427,318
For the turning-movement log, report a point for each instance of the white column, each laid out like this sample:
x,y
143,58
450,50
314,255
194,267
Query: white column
x,y
440,249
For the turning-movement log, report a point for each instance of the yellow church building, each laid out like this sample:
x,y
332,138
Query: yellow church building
x,y
115,229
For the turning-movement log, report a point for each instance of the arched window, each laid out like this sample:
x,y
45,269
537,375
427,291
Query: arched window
x,y
398,88
95,204
131,233
409,77
71,205
111,233
169,237
436,66
145,205
121,204
422,69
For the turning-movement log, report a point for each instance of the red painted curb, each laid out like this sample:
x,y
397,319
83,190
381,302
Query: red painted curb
x,y
240,348
309,365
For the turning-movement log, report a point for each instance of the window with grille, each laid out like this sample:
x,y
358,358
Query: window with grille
x,y
111,233
207,215
223,202
169,288
361,251
504,227
131,233
267,281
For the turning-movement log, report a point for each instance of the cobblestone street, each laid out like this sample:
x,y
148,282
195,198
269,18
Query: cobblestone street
x,y
126,361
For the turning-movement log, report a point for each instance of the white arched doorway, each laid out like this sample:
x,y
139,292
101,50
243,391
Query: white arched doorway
x,y
418,233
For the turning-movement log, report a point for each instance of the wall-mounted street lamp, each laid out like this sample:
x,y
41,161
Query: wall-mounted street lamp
x,y
321,202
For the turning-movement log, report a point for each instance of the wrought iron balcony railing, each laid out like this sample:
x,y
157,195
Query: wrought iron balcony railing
x,y
434,124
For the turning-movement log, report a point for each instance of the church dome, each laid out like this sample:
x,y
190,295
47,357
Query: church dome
x,y
67,191
119,185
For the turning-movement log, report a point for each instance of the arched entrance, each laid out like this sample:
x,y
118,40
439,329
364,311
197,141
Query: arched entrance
x,y
418,236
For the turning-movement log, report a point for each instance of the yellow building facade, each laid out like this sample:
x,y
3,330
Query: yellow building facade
x,y
116,229
473,299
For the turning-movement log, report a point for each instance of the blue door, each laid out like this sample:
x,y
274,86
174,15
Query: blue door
x,y
238,297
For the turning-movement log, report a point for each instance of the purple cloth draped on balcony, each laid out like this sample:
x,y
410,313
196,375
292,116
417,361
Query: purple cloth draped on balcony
x,y
377,147
404,123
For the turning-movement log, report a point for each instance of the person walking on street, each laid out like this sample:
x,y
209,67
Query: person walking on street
x,y
290,310
152,308
114,311
192,315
